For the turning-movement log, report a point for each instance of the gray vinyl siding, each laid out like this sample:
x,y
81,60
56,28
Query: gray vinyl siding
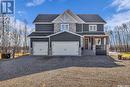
x,y
85,27
100,27
44,27
38,40
65,37
78,27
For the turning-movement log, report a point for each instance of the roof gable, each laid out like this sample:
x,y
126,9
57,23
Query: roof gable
x,y
77,18
64,18
68,17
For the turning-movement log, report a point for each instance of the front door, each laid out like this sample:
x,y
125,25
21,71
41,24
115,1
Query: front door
x,y
86,40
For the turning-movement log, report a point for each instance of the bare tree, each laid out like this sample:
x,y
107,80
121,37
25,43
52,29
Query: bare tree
x,y
25,37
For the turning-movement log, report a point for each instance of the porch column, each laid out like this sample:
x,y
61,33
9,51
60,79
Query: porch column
x,y
94,46
107,45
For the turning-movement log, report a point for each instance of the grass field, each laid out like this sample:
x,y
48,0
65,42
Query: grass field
x,y
124,54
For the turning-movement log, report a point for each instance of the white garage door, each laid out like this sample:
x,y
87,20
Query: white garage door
x,y
65,48
40,48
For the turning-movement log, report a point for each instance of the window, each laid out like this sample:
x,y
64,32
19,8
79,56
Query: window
x,y
79,27
98,41
64,27
92,27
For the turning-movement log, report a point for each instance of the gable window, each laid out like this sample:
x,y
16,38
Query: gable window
x,y
92,27
64,27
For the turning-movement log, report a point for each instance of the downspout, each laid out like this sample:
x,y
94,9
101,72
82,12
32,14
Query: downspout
x,y
30,47
49,51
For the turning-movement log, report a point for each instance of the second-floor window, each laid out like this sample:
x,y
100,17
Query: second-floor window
x,y
92,27
64,27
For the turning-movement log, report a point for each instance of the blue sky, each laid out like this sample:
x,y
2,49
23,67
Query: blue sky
x,y
113,11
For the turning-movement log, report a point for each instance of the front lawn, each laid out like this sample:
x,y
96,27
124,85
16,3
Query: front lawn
x,y
126,54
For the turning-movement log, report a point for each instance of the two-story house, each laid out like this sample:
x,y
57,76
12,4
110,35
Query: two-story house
x,y
69,34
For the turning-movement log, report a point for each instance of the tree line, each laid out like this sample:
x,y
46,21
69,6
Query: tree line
x,y
119,37
13,35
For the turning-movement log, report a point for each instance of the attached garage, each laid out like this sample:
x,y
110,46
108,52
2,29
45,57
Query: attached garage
x,y
65,43
58,44
40,48
65,48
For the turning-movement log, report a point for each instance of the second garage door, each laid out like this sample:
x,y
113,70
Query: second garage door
x,y
65,48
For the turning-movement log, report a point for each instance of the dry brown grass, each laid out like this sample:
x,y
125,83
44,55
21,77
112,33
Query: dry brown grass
x,y
76,77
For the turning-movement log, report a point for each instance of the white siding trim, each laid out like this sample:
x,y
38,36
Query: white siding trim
x,y
64,31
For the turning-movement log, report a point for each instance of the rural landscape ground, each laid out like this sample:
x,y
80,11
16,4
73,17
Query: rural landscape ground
x,y
114,73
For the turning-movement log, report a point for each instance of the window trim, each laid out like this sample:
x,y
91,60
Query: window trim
x,y
64,24
92,26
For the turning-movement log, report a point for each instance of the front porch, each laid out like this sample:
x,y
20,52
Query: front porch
x,y
95,45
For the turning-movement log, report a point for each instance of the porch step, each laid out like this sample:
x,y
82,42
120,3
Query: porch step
x,y
88,53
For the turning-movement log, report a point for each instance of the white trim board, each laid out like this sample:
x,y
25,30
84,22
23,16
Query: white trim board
x,y
64,31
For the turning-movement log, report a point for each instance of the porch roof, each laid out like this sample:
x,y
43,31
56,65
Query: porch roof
x,y
97,34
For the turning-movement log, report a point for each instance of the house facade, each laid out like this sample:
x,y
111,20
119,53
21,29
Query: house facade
x,y
69,34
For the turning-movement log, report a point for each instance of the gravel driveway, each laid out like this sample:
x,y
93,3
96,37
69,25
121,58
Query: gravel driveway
x,y
35,64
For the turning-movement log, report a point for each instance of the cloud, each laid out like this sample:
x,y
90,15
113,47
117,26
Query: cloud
x,y
21,13
121,4
119,18
122,14
34,3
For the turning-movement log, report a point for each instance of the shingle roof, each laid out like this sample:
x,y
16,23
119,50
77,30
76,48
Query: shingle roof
x,y
46,17
91,18
40,34
84,17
